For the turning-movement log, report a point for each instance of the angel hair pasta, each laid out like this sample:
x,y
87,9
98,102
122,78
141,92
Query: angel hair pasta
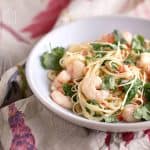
x,y
103,80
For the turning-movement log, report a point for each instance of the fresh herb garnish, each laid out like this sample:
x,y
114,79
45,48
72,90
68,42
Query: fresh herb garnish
x,y
143,112
51,60
109,82
93,102
89,59
130,60
137,85
67,88
114,66
88,110
138,44
101,47
147,90
118,38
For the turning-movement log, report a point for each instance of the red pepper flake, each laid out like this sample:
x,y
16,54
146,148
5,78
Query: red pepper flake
x,y
120,118
122,69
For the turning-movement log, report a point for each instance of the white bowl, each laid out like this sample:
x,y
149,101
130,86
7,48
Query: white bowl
x,y
76,32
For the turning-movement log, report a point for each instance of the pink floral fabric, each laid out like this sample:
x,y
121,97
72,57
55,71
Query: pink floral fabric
x,y
25,124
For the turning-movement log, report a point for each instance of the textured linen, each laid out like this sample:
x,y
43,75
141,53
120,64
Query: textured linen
x,y
26,124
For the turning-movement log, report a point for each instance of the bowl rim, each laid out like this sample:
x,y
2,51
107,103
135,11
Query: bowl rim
x,y
70,116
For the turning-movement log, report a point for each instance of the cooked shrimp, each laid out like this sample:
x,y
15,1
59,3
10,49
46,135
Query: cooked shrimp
x,y
128,111
76,69
127,36
62,77
61,99
90,86
144,62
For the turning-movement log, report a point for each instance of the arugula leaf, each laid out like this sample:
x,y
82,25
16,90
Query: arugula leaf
x,y
138,44
67,88
51,60
118,37
138,84
147,90
110,119
109,82
142,112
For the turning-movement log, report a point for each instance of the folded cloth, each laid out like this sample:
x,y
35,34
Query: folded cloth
x,y
25,124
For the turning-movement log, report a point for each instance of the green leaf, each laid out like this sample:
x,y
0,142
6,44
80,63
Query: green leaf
x,y
51,60
114,66
93,102
88,110
143,112
138,84
67,88
138,44
109,82
110,119
89,59
101,47
147,90
130,60
118,37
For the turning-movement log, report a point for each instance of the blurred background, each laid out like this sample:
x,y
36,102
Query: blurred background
x,y
23,22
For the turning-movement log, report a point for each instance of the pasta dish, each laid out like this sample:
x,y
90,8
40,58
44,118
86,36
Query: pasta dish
x,y
104,80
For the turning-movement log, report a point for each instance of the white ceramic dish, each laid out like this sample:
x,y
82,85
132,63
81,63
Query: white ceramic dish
x,y
76,32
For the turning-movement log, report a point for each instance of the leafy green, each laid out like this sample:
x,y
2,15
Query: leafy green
x,y
147,90
51,60
138,44
100,46
98,50
67,88
118,37
109,82
142,112
110,119
114,66
93,102
89,59
130,60
88,110
137,85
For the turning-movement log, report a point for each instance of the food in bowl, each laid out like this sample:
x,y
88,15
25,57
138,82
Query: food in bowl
x,y
104,80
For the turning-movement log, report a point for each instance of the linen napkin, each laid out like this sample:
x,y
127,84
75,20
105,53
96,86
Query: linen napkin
x,y
25,124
